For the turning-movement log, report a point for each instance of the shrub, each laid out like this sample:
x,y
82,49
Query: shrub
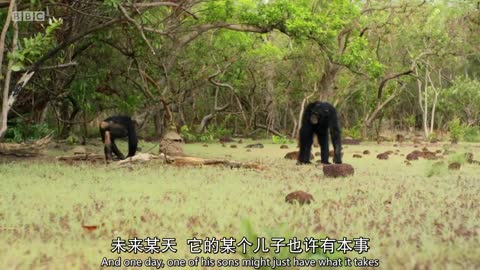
x,y
20,131
456,130
280,140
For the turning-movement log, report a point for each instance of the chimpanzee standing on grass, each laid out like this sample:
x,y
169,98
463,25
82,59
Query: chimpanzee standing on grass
x,y
318,119
116,127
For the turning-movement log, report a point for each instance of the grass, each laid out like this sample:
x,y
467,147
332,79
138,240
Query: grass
x,y
415,218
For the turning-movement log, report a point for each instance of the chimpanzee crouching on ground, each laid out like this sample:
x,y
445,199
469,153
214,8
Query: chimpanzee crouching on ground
x,y
318,119
116,127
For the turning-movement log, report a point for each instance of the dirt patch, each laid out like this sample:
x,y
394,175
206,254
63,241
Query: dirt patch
x,y
300,196
338,170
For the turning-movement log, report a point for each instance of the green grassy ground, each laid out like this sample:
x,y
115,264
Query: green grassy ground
x,y
421,216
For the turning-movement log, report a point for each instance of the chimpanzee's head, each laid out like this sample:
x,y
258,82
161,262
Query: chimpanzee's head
x,y
319,113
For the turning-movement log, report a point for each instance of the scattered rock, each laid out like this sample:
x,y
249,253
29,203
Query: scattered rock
x,y
283,146
338,170
413,155
454,166
366,152
294,155
225,139
255,145
383,156
300,196
357,156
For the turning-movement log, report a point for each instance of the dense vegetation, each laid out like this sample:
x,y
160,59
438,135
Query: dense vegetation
x,y
211,68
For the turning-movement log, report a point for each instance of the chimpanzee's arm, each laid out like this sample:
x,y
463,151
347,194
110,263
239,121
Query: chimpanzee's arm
x,y
336,135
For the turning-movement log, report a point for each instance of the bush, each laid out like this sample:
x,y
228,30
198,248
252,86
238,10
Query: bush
x,y
472,134
211,134
280,140
456,130
354,132
20,131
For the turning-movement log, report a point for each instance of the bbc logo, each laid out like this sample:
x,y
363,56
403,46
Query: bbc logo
x,y
29,16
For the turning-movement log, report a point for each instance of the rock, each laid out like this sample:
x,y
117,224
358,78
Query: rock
x,y
357,156
349,141
413,155
407,163
338,170
300,196
395,145
255,145
79,150
172,136
317,154
225,139
205,145
425,149
233,146
399,138
383,156
294,155
454,166
438,151
172,144
366,152
283,146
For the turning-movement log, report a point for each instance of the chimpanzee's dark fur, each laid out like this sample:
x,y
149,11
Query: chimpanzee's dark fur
x,y
116,127
319,118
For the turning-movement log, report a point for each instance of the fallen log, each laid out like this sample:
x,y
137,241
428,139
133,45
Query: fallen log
x,y
28,149
195,161
82,157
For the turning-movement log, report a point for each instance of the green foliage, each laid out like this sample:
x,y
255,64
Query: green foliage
x,y
437,169
280,140
355,132
22,131
210,135
456,130
462,100
31,48
472,134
